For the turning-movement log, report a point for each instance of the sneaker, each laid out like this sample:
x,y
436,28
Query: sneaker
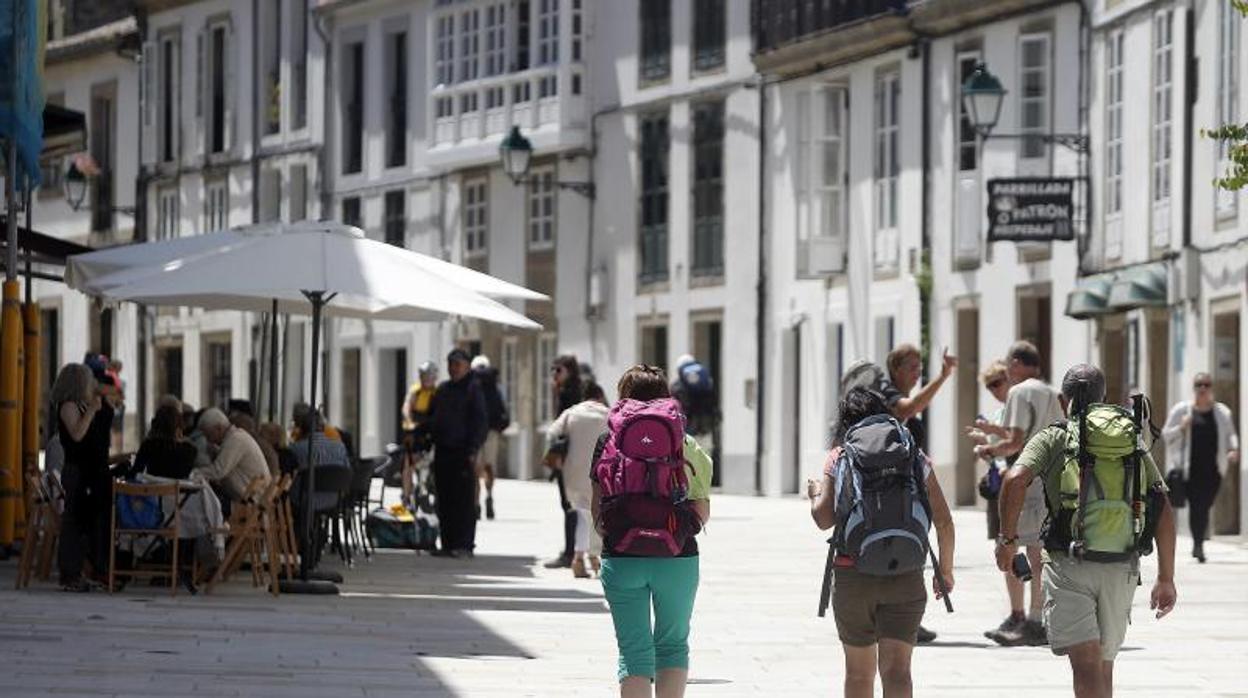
x,y
1034,634
925,636
77,586
489,508
1011,623
561,562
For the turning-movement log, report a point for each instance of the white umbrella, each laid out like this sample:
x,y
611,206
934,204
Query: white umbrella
x,y
94,272
310,269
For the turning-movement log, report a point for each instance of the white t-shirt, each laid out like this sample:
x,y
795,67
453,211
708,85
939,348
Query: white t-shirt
x,y
1031,406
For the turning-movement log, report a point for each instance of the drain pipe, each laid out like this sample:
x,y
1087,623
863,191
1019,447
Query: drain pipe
x,y
760,390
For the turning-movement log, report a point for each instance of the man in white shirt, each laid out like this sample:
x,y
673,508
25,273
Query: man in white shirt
x,y
239,459
1030,406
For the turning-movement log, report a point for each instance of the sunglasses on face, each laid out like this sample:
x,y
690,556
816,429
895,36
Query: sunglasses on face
x,y
993,385
1204,385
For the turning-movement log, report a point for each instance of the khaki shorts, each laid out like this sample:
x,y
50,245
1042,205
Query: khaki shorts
x,y
488,455
1088,601
868,609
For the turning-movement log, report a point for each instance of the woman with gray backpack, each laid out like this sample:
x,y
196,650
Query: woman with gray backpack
x,y
880,544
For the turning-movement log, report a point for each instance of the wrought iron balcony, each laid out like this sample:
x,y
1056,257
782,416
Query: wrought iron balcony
x,y
782,22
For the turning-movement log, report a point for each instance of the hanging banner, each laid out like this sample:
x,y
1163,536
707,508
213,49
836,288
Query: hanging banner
x,y
22,37
1031,209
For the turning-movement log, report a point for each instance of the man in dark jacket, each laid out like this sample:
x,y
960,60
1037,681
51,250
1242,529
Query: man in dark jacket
x,y
498,419
459,428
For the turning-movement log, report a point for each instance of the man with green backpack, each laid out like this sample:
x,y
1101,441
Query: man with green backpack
x,y
1106,507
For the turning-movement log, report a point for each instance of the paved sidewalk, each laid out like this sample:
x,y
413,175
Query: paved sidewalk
x,y
501,625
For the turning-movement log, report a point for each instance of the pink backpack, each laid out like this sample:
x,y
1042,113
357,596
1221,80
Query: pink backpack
x,y
642,474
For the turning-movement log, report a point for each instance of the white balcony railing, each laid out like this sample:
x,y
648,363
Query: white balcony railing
x,y
483,109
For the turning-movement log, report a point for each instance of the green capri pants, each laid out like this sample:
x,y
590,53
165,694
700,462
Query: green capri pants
x,y
632,585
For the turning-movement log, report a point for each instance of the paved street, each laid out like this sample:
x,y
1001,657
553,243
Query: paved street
x,y
501,625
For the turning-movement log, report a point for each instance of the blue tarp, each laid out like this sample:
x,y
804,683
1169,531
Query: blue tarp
x,y
21,82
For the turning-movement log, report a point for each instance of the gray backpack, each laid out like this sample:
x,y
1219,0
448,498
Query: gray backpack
x,y
883,516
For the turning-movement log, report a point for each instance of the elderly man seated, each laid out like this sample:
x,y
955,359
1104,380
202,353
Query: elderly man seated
x,y
239,459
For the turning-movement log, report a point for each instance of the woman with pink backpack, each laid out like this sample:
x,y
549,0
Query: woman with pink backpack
x,y
651,496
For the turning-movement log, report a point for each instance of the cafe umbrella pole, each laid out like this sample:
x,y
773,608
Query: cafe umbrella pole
x,y
311,582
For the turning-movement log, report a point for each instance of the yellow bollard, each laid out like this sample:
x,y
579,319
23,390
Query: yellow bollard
x,y
10,411
31,399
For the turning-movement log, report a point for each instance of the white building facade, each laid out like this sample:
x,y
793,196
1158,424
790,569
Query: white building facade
x,y
232,130
92,67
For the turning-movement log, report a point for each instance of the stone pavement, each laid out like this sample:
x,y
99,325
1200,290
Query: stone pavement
x,y
501,625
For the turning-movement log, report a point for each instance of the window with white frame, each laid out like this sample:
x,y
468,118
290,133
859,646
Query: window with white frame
x,y
352,97
218,83
821,116
1163,81
1113,123
509,374
469,43
167,213
168,90
542,208
547,32
523,34
544,357
216,204
394,213
270,66
396,112
1229,20
495,39
887,162
476,217
444,56
299,64
578,31
1034,99
968,139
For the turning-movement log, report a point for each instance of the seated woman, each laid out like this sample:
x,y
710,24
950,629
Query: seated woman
x,y
164,451
272,434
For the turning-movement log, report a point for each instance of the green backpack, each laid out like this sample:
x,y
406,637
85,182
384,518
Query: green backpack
x,y
1103,510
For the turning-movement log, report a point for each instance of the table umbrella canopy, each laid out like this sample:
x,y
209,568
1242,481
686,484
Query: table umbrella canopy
x,y
248,269
95,272
314,269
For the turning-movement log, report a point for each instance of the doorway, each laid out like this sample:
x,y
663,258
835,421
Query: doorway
x,y
708,349
350,419
1158,391
392,374
967,377
1114,357
1226,389
1035,323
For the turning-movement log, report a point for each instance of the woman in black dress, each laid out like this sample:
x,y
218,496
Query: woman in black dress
x,y
83,419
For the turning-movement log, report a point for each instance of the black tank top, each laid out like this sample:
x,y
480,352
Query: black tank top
x,y
89,455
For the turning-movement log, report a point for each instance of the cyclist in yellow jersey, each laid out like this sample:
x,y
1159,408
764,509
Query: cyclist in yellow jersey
x,y
416,412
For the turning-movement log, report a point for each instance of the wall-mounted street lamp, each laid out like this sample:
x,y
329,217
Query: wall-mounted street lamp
x,y
516,153
982,96
74,186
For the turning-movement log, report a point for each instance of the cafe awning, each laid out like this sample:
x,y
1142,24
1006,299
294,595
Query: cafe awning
x,y
1090,297
1143,286
44,248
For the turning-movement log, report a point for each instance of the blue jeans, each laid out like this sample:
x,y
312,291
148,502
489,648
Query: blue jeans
x,y
632,586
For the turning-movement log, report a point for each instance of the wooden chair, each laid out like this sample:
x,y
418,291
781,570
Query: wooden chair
x,y
287,550
168,532
43,529
253,536
56,505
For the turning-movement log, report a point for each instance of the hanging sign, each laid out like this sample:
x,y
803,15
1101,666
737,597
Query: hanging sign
x,y
1030,209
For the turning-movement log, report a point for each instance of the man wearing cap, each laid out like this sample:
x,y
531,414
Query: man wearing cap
x,y
459,428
